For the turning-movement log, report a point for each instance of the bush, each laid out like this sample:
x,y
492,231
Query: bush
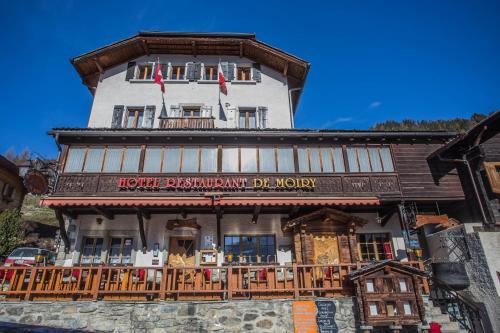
x,y
11,231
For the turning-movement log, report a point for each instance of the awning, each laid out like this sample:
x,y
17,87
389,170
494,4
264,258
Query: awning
x,y
207,201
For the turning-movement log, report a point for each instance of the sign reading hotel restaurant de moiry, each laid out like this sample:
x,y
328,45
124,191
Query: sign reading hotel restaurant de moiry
x,y
215,183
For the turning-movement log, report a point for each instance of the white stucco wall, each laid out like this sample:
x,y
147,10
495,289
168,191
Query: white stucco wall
x,y
491,247
271,92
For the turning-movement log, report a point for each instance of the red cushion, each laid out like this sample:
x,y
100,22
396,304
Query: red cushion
x,y
435,327
329,272
263,274
142,274
207,273
75,273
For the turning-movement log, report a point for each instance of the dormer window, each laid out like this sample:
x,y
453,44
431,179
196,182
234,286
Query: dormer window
x,y
243,73
178,73
247,118
191,112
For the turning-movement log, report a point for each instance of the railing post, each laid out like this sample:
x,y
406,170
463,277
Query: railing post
x,y
295,271
30,284
229,279
163,283
97,283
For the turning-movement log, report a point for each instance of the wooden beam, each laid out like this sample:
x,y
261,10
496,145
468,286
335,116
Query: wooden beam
x,y
98,65
294,211
145,46
193,47
285,69
62,228
72,215
184,213
104,212
241,49
142,232
218,216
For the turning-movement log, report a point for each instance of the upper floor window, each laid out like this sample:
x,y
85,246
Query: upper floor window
x,y
247,118
91,251
134,118
375,246
320,159
243,73
178,73
144,71
210,72
191,112
97,159
369,159
120,251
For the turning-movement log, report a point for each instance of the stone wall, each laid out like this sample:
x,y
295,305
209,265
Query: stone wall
x,y
235,316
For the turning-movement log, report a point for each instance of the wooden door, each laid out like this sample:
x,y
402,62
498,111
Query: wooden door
x,y
326,249
181,251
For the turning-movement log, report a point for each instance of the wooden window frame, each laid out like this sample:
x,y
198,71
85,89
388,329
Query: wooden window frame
x,y
177,69
93,256
136,111
191,109
213,71
493,174
257,250
367,147
320,149
145,77
122,246
247,112
245,70
374,244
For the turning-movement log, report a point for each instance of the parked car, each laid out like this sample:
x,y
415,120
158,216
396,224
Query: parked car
x,y
30,256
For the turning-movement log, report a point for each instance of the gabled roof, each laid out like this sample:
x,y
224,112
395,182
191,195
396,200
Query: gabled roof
x,y
328,214
90,64
480,133
381,264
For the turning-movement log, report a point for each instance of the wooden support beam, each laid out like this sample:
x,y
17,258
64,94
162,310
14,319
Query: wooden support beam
x,y
72,215
285,70
218,216
294,211
98,65
104,212
184,213
193,47
145,46
142,232
256,212
62,228
241,49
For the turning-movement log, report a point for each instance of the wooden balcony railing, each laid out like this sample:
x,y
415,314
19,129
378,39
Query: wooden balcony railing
x,y
174,283
172,123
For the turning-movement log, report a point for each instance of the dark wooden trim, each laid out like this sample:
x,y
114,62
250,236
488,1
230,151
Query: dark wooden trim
x,y
62,228
104,212
142,232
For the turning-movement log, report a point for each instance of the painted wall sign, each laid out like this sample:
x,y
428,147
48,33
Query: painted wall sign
x,y
215,183
304,317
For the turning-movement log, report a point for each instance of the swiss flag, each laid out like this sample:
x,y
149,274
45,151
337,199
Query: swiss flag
x,y
159,77
222,81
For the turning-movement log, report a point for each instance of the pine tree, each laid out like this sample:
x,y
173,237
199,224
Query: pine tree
x,y
11,231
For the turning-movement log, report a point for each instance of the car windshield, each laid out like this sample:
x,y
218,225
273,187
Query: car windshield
x,y
25,252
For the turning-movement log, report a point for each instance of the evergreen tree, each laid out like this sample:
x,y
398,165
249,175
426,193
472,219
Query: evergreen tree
x,y
11,231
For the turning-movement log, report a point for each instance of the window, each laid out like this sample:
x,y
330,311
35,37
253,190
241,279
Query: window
x,y
211,72
230,158
403,286
131,159
320,159
243,73
373,308
285,160
370,286
134,118
248,157
191,112
371,159
93,161
250,248
267,159
152,160
120,251
144,71
391,308
91,251
8,192
178,73
172,159
407,308
74,161
247,119
208,159
113,160
375,246
189,159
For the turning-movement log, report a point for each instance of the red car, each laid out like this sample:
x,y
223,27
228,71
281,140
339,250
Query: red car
x,y
27,256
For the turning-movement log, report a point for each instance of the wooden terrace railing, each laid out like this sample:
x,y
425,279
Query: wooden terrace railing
x,y
177,283
195,123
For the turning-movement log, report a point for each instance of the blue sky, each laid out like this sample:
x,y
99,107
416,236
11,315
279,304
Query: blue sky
x,y
370,60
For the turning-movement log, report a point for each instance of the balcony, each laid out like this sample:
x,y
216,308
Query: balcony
x,y
128,283
191,122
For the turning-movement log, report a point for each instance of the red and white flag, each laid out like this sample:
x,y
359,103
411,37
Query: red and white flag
x,y
159,77
222,81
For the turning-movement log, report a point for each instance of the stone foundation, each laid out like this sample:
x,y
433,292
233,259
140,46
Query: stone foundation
x,y
235,316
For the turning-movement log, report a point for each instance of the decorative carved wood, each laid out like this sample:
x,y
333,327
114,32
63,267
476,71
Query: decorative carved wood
x,y
186,223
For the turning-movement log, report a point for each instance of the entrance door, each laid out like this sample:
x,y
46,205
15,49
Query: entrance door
x,y
181,251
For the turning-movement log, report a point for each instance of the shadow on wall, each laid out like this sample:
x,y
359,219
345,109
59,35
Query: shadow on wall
x,y
16,328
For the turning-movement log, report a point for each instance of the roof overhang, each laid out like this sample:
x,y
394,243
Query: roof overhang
x,y
91,64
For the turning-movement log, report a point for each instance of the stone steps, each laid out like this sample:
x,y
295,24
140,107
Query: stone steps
x,y
435,314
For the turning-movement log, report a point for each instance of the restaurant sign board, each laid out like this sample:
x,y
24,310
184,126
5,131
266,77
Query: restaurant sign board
x,y
215,183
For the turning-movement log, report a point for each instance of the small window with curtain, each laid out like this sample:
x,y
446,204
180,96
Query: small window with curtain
x,y
250,248
113,159
93,160
91,251
248,159
191,112
211,72
144,71
190,159
208,159
230,158
152,160
320,159
369,159
120,251
375,246
247,118
131,159
178,73
134,117
285,160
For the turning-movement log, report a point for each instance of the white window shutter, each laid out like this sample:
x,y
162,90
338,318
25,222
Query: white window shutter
x,y
262,111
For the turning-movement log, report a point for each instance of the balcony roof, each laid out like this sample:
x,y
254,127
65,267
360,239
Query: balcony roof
x,y
89,65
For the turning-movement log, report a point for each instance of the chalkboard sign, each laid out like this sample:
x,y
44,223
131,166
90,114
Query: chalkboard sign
x,y
325,316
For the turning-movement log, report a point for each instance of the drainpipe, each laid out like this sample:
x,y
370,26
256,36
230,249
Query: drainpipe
x,y
290,103
474,185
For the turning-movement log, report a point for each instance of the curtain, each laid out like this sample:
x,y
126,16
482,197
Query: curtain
x,y
338,160
267,160
131,160
208,161
113,160
93,161
248,159
285,160
230,159
385,154
352,159
303,160
152,160
190,159
74,161
375,159
171,159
